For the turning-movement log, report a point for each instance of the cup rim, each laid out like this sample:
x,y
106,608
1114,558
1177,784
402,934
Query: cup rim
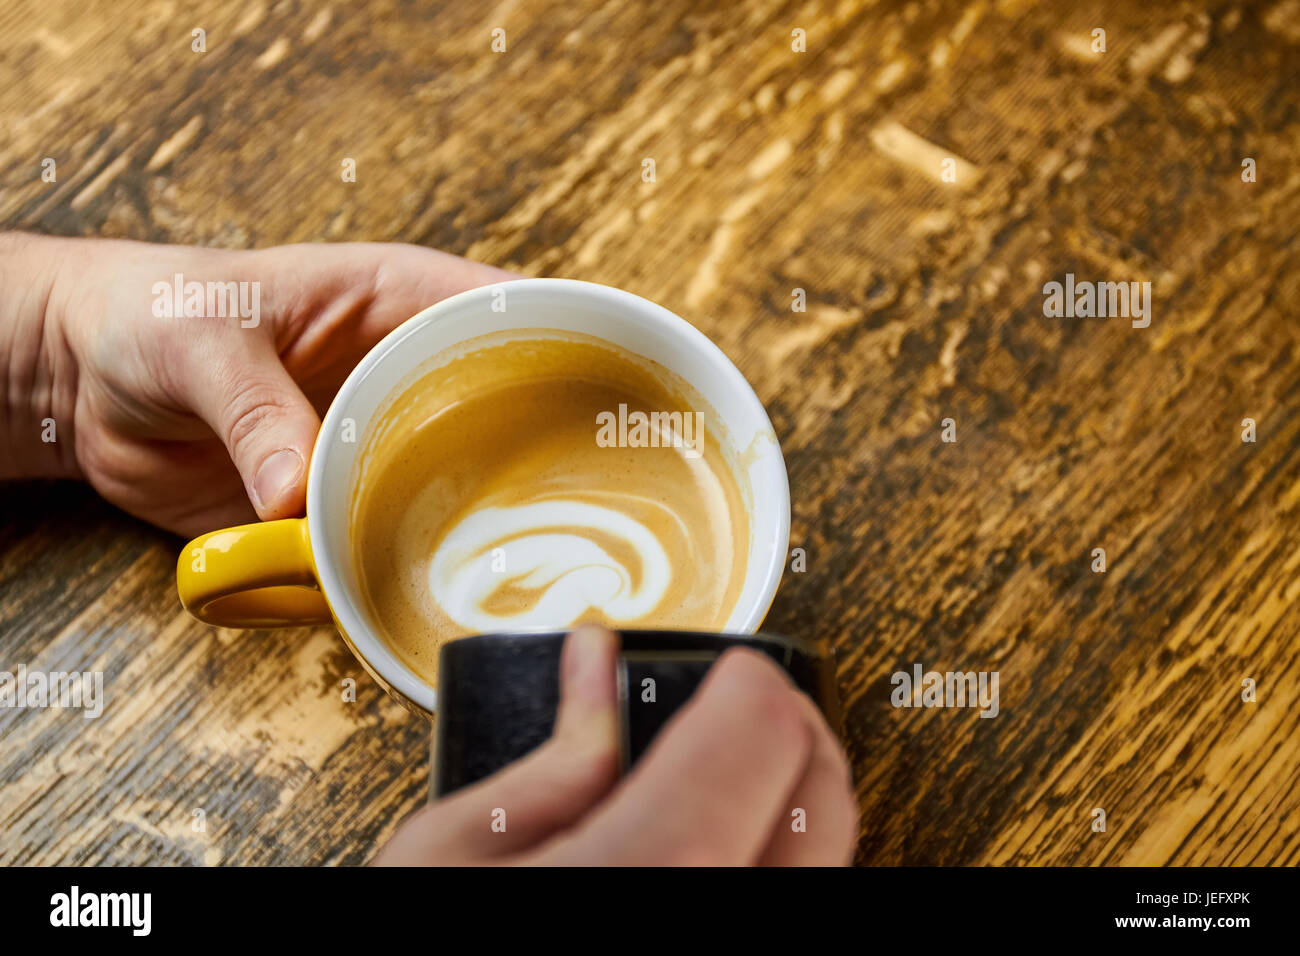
x,y
352,625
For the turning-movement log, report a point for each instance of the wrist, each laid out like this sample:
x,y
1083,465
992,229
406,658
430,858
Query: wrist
x,y
38,373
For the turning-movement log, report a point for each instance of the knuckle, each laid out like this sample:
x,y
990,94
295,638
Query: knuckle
x,y
766,688
578,766
788,721
251,406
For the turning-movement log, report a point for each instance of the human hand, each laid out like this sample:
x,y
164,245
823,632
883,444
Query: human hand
x,y
718,786
152,411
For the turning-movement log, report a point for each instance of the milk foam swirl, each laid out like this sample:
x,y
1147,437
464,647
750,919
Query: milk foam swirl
x,y
543,548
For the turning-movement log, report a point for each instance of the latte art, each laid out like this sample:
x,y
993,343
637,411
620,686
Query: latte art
x,y
551,549
486,503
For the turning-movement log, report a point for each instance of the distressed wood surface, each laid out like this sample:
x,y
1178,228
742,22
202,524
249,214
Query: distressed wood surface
x,y
775,171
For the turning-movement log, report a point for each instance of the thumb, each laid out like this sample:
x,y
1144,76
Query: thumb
x,y
266,423
543,793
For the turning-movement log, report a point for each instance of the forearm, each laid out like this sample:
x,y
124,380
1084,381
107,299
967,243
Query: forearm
x,y
38,376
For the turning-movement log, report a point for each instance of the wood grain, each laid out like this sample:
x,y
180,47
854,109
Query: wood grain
x,y
774,171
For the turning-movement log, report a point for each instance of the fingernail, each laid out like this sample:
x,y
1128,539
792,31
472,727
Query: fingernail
x,y
586,654
276,475
587,690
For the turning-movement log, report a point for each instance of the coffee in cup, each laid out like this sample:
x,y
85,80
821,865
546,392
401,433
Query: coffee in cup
x,y
533,482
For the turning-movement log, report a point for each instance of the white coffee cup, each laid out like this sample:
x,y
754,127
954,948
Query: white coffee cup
x,y
301,570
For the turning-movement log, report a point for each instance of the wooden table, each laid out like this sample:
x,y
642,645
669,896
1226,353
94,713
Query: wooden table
x,y
774,171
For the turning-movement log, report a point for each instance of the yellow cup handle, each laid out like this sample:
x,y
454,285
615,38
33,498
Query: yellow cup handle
x,y
255,575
